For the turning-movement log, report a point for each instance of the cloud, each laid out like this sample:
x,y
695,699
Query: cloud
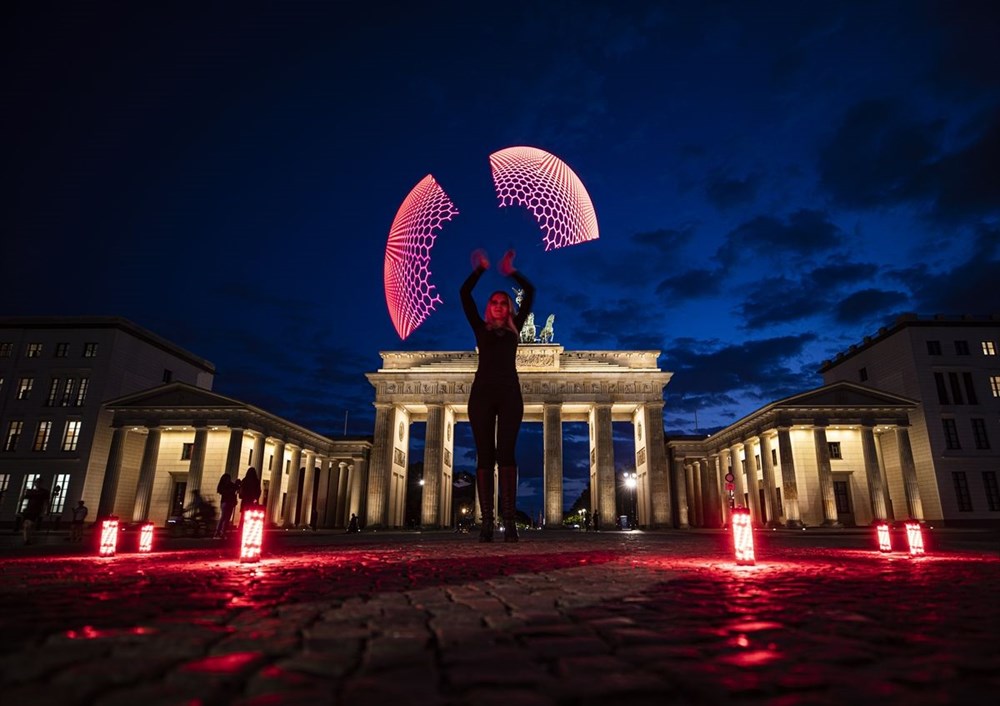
x,y
867,305
688,285
780,300
805,233
727,192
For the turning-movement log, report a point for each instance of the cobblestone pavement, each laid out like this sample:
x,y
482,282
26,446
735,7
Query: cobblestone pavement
x,y
559,619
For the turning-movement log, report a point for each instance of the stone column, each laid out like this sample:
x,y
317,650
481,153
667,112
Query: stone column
x,y
292,499
603,451
147,474
257,457
767,469
112,473
552,471
738,479
275,483
359,490
377,503
343,494
430,506
308,497
710,491
825,477
234,453
789,486
876,491
658,469
725,467
699,494
752,482
914,505
692,495
326,502
680,485
197,468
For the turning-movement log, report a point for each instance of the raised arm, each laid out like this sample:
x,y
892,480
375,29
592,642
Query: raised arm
x,y
468,305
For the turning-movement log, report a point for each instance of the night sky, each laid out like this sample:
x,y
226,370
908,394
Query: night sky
x,y
773,181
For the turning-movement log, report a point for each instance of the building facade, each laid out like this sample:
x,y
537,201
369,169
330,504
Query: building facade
x,y
950,365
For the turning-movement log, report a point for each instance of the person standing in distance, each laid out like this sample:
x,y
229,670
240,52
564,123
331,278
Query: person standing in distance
x,y
495,404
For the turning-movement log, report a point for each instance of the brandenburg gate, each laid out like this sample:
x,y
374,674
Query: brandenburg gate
x,y
599,387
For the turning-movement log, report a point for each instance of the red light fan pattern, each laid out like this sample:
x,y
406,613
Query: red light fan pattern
x,y
547,187
408,292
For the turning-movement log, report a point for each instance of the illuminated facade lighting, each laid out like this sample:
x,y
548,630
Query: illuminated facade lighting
x,y
915,536
109,537
146,538
743,537
252,534
884,540
409,294
546,186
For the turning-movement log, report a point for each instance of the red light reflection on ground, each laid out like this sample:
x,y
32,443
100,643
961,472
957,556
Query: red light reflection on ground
x,y
224,664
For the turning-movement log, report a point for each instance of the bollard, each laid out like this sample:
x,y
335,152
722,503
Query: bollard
x,y
146,538
252,535
915,537
884,539
743,536
109,537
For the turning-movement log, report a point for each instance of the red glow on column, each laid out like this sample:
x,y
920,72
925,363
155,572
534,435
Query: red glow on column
x,y
109,537
884,540
252,535
743,537
408,292
546,186
146,538
915,537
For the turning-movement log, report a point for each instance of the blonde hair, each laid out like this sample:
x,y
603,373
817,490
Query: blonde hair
x,y
509,322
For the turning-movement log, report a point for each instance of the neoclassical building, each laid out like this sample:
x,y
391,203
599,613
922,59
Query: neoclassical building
x,y
598,387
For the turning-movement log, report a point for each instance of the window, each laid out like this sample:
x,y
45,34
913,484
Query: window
x,y
14,429
81,392
24,386
756,460
841,497
961,348
29,482
989,485
34,350
59,492
62,350
72,436
970,391
6,349
774,457
942,389
50,401
863,374
168,375
250,458
962,491
956,390
89,350
42,436
995,385
4,483
979,433
950,434
989,348
834,447
67,396
186,450
933,347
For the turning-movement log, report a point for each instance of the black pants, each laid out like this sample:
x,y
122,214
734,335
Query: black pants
x,y
495,413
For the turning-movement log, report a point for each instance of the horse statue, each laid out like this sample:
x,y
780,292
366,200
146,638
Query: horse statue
x,y
548,332
528,330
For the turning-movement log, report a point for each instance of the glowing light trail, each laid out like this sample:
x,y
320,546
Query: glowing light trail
x,y
546,186
408,292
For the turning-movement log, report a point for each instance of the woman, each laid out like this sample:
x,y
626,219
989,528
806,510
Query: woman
x,y
495,403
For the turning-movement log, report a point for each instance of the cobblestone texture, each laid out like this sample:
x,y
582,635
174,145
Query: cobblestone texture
x,y
560,619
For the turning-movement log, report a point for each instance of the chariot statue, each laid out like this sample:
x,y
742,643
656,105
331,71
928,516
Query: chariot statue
x,y
528,330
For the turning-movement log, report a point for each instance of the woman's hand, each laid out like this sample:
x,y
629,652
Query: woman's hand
x,y
506,265
480,260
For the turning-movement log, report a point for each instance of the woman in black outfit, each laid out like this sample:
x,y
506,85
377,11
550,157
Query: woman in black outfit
x,y
495,404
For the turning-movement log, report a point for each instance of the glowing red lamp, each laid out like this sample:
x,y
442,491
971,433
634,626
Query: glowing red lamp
x,y
915,537
109,537
743,536
884,540
252,535
146,538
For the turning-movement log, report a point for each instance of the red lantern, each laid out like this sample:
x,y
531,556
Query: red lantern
x,y
109,537
252,534
916,538
884,540
146,538
743,536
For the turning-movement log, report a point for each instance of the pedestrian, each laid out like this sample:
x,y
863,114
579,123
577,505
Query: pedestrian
x,y
597,521
76,525
36,502
249,491
352,526
227,491
496,407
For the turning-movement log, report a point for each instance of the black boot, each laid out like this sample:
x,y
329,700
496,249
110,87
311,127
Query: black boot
x,y
484,486
508,502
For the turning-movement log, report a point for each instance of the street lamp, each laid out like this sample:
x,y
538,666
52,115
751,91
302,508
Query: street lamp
x,y
631,482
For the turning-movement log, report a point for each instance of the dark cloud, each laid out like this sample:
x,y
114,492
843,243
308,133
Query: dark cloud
x,y
688,285
867,305
835,275
805,233
780,300
664,239
967,182
726,193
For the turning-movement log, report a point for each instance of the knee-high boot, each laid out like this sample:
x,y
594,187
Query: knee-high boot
x,y
484,486
508,502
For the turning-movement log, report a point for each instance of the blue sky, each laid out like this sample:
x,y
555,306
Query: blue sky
x,y
772,181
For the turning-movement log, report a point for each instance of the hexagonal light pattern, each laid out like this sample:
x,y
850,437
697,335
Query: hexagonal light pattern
x,y
547,187
408,292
